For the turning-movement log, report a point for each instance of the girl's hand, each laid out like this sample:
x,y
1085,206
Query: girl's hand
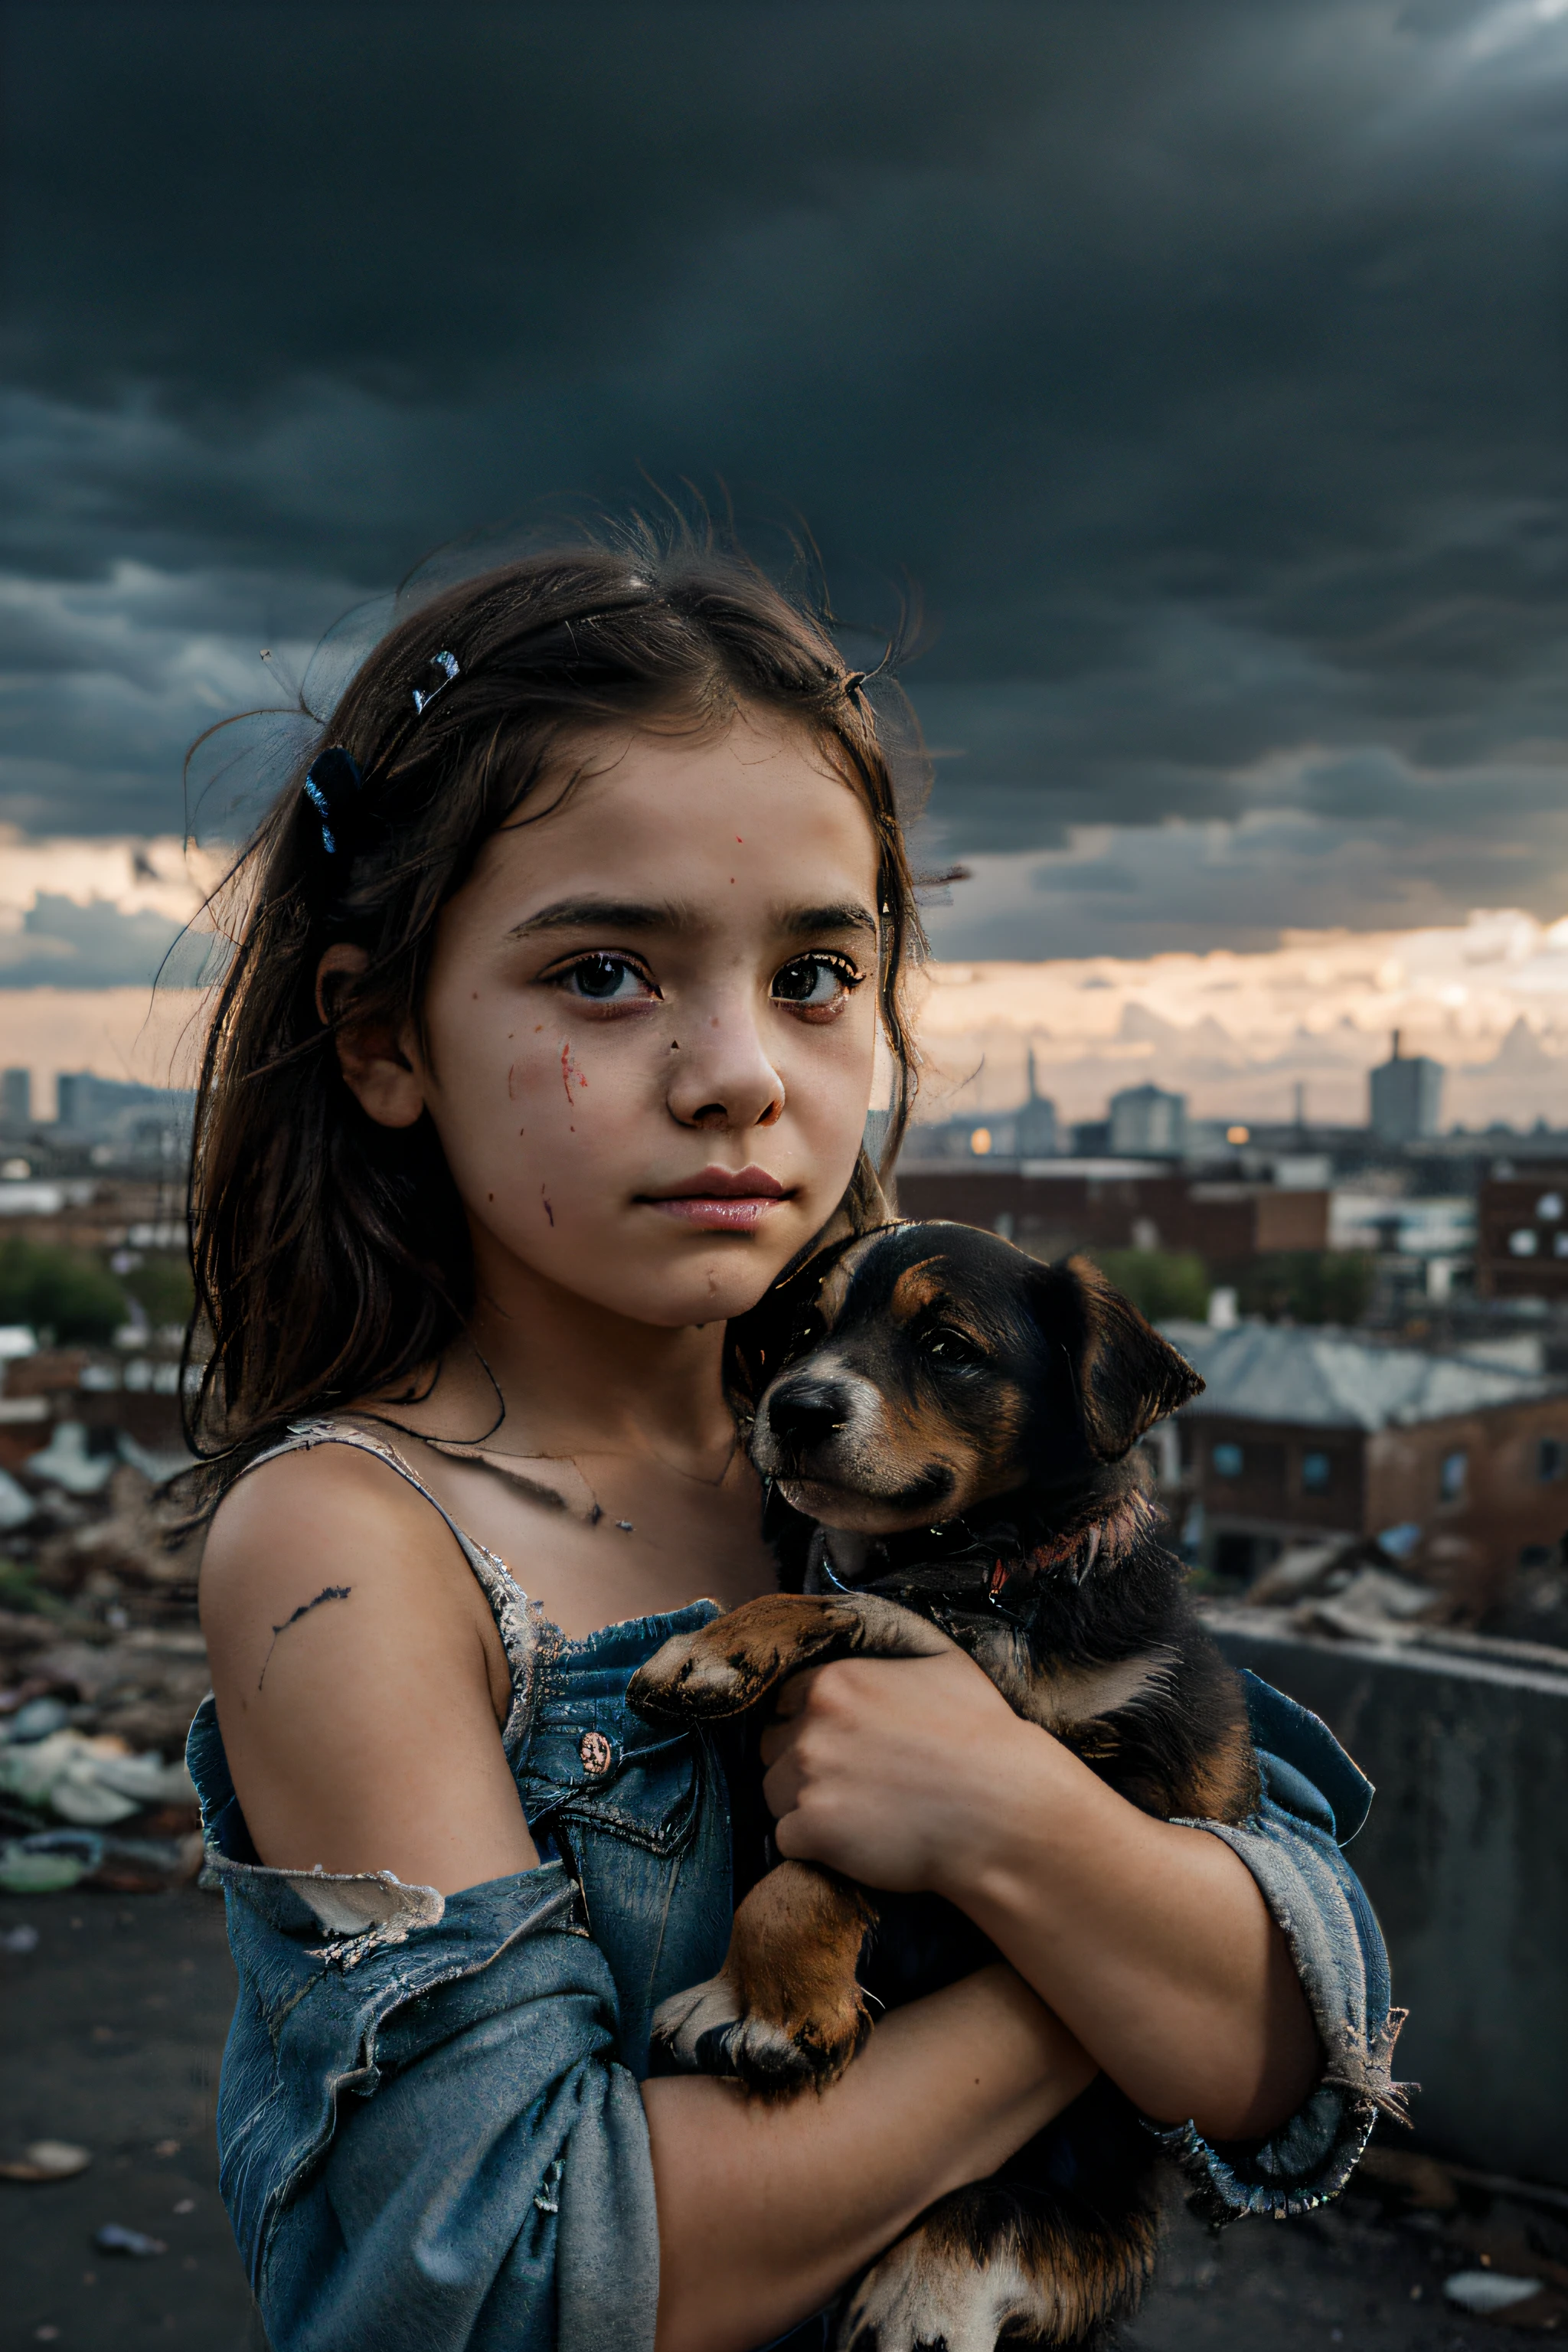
x,y
888,1769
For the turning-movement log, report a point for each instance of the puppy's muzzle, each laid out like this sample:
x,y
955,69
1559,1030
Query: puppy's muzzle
x,y
800,1417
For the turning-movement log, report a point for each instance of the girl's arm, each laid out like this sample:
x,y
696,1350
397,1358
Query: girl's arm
x,y
765,2210
1151,1943
362,1738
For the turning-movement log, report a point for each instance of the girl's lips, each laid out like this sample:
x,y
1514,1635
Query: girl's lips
x,y
715,1213
722,1199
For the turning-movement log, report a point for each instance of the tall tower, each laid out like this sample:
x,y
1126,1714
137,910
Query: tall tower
x,y
1406,1096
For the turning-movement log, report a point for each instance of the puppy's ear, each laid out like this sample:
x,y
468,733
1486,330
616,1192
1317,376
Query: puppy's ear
x,y
1128,1377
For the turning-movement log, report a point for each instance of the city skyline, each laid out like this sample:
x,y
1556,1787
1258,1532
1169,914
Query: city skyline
x,y
1236,1032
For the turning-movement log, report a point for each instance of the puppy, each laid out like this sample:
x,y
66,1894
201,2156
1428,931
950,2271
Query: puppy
x,y
958,1421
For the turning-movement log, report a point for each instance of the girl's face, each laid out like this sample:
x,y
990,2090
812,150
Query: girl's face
x,y
650,1017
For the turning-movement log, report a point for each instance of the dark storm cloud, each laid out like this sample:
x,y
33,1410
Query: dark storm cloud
x,y
1203,363
63,945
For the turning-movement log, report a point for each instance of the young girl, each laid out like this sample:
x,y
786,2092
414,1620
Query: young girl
x,y
547,1047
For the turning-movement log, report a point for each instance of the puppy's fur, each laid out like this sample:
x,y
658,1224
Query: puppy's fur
x,y
958,1421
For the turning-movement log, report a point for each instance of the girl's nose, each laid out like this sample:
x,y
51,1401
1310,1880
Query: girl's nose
x,y
721,1076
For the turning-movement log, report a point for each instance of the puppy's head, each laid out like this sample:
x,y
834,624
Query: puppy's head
x,y
941,1368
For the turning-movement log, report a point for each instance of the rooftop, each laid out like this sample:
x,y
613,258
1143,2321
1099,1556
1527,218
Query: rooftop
x,y
1333,1380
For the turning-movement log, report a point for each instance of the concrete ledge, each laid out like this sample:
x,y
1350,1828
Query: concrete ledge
x,y
1465,1860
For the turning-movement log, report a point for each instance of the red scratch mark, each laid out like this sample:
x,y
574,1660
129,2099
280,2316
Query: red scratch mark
x,y
568,1072
741,843
545,1199
510,1067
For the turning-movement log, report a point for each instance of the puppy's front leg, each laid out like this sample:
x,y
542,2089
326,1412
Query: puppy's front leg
x,y
726,1668
785,2011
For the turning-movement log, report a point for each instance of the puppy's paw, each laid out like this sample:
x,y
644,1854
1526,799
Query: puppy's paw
x,y
726,1668
691,1675
689,2025
705,2030
923,2297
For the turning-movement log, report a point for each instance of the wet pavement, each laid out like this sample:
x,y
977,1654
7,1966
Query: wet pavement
x,y
110,2034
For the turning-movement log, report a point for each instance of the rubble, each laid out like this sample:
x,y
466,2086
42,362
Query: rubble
x,y
1357,1588
102,1665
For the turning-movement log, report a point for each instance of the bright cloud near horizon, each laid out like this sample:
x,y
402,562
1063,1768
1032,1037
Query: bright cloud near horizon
x,y
1235,1032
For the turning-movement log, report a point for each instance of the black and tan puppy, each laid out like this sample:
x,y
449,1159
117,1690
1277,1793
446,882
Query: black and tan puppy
x,y
960,1423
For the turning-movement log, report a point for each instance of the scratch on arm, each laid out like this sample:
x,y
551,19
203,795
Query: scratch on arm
x,y
327,1593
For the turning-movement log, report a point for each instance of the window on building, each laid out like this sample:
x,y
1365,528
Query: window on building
x,y
1452,1474
1317,1473
1523,1242
1559,1245
1549,1208
1551,1460
1226,1459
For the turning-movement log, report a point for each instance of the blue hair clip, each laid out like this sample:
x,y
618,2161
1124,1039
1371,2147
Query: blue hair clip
x,y
447,666
333,788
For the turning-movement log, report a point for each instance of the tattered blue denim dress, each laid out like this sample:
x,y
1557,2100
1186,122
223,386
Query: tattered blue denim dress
x,y
430,2134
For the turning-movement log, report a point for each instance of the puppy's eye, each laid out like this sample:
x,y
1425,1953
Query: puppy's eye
x,y
954,1350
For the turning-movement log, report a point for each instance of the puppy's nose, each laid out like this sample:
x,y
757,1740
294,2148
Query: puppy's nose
x,y
806,1412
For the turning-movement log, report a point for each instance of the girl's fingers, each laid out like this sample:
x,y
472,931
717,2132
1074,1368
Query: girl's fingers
x,y
794,1694
781,1789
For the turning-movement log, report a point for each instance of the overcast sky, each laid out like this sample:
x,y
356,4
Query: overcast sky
x,y
1203,361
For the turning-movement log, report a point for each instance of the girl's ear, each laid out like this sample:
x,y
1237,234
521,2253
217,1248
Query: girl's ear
x,y
376,1071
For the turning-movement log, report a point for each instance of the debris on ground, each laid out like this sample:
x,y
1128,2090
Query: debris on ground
x,y
102,1665
114,2239
1487,2294
1357,1588
48,2159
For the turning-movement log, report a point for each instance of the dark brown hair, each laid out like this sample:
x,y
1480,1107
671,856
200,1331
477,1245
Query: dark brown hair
x,y
331,1255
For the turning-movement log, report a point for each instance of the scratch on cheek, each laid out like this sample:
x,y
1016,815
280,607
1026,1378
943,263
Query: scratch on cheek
x,y
510,1071
569,1069
544,1198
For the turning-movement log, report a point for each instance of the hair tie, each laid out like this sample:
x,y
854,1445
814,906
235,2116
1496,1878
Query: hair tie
x,y
448,666
335,790
854,680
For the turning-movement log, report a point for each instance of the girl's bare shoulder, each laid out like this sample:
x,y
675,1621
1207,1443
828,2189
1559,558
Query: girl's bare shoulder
x,y
325,1512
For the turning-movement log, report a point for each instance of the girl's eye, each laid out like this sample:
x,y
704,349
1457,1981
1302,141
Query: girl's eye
x,y
816,983
606,979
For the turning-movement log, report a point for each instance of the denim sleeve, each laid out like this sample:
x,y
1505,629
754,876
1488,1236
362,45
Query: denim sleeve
x,y
431,2145
1314,1800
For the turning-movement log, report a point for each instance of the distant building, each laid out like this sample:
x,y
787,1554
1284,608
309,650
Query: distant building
x,y
1147,1123
1406,1097
1035,1126
1522,1233
1301,1435
16,1098
1051,1207
143,1123
1027,1133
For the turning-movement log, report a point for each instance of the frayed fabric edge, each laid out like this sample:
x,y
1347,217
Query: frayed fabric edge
x,y
1360,2065
363,1911
1219,2197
